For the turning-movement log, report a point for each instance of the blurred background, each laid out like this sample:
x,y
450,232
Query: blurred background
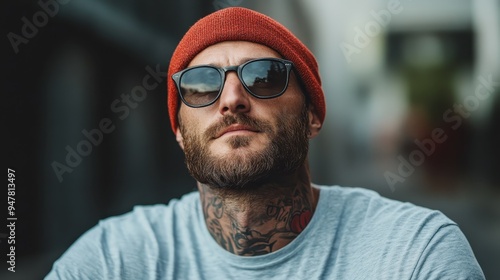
x,y
395,74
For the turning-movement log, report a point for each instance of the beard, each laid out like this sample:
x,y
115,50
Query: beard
x,y
286,152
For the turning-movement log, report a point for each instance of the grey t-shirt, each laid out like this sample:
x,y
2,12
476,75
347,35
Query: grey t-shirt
x,y
354,234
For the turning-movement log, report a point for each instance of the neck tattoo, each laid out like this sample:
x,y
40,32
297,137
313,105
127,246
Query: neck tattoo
x,y
260,221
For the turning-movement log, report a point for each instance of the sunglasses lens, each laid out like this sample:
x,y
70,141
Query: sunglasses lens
x,y
201,85
265,78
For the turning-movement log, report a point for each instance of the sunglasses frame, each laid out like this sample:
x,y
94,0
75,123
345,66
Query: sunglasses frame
x,y
238,69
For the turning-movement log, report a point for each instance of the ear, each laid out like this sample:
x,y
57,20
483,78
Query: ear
x,y
314,124
179,138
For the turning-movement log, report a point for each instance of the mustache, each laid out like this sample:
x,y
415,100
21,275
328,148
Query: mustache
x,y
242,119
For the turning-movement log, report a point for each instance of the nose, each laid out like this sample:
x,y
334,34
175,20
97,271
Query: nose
x,y
234,98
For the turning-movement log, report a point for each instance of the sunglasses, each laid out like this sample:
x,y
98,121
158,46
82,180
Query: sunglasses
x,y
202,85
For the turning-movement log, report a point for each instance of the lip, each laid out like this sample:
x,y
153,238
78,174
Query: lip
x,y
236,128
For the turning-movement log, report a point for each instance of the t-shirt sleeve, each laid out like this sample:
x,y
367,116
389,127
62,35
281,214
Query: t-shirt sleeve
x,y
448,255
85,259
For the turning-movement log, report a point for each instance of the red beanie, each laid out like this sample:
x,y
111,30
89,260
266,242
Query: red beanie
x,y
241,24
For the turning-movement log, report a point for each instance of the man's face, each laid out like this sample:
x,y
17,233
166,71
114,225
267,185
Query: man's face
x,y
240,140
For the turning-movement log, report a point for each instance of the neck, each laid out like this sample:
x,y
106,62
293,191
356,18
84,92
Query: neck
x,y
261,220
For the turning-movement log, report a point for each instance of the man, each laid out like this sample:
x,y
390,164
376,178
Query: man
x,y
244,99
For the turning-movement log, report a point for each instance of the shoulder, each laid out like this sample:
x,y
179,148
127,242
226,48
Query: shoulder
x,y
151,216
102,251
421,243
144,223
369,207
373,215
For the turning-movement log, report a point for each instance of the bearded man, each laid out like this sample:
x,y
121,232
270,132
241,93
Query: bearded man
x,y
244,99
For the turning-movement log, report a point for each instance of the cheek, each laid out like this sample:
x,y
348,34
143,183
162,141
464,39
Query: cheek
x,y
196,119
284,110
188,121
292,101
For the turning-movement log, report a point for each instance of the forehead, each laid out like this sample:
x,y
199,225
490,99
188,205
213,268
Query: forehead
x,y
232,53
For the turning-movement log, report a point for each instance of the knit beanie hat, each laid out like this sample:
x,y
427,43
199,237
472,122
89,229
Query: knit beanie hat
x,y
241,24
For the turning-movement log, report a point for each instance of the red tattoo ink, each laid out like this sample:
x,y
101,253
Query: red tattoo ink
x,y
300,221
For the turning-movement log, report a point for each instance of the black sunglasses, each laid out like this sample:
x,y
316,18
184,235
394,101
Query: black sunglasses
x,y
202,85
